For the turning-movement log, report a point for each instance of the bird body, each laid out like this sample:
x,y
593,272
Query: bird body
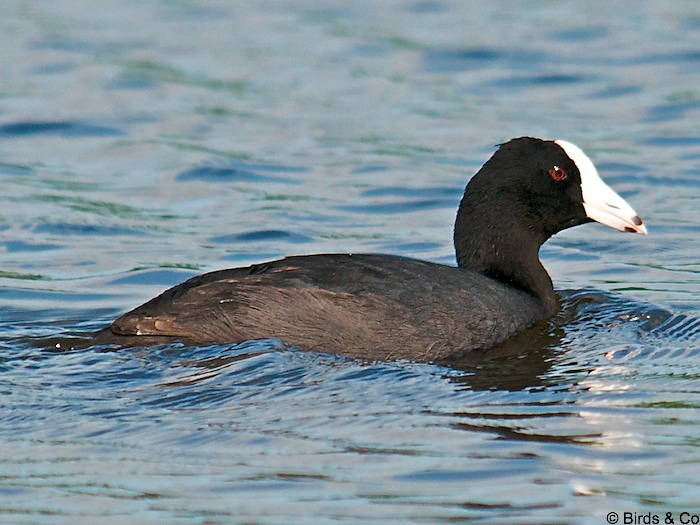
x,y
369,306
388,307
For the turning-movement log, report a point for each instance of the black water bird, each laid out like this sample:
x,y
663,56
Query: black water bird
x,y
383,307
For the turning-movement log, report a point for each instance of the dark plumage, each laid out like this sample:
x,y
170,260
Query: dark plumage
x,y
388,307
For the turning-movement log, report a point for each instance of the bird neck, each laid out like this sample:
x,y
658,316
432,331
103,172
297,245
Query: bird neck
x,y
507,250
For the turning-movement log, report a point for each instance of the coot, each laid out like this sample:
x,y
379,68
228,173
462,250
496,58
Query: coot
x,y
383,307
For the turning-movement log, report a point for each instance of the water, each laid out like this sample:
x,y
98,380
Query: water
x,y
144,142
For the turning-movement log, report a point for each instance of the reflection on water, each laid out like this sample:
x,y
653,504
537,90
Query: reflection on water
x,y
227,134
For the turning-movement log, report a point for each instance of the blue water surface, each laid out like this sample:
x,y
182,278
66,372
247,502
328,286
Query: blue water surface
x,y
142,143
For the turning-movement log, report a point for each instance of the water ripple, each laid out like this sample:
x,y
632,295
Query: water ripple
x,y
238,172
61,128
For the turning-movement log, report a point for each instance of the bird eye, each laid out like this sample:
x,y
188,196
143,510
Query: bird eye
x,y
557,173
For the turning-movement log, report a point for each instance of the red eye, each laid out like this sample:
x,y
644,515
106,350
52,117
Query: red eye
x,y
557,173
